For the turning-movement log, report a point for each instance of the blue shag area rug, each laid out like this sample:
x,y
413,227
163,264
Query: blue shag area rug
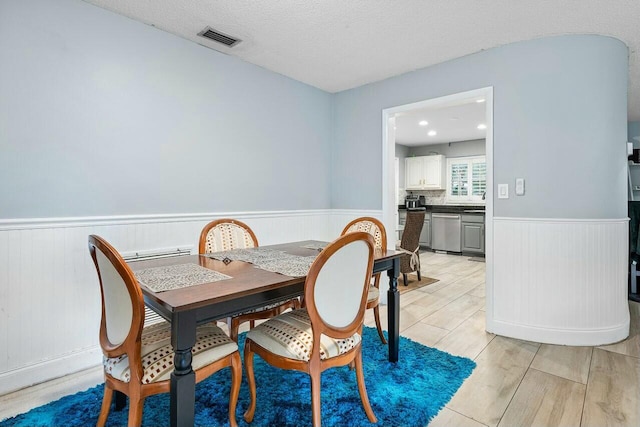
x,y
408,393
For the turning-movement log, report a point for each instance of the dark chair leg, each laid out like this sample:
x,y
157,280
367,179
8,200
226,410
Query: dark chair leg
x,y
120,400
404,279
419,276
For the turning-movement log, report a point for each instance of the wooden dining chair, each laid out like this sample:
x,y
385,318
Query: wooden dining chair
x,y
410,244
138,361
374,227
327,332
227,234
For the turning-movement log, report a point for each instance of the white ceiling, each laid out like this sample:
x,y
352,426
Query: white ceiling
x,y
340,44
451,123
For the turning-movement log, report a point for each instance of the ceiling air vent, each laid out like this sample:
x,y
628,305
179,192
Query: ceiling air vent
x,y
219,37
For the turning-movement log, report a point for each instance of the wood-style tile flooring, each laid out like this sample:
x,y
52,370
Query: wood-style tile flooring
x,y
515,383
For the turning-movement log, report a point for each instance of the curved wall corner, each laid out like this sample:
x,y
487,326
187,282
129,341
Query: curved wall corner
x,y
560,259
560,281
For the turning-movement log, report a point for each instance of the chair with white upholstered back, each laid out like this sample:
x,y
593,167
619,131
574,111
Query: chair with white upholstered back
x,y
327,332
374,227
138,362
227,234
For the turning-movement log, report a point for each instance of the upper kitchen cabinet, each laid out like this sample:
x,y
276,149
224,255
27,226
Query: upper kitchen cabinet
x,y
414,172
425,173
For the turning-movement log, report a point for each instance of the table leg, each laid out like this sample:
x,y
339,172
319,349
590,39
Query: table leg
x,y
183,379
393,311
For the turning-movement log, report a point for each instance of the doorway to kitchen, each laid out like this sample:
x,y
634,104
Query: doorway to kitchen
x,y
392,117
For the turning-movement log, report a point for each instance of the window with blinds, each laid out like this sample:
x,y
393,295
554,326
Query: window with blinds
x,y
478,177
459,179
466,178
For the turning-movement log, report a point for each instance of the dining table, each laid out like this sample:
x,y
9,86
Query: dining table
x,y
246,286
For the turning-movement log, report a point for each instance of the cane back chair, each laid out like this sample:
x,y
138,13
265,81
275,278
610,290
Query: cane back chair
x,y
227,234
374,227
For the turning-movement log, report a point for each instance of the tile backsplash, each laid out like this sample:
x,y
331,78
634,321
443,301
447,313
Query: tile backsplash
x,y
432,197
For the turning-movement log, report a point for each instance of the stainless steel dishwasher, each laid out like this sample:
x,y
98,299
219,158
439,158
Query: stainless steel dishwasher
x,y
445,232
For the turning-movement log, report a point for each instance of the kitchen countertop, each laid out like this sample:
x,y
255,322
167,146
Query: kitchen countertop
x,y
450,208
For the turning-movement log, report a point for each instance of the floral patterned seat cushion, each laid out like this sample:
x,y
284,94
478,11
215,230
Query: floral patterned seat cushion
x,y
289,335
157,354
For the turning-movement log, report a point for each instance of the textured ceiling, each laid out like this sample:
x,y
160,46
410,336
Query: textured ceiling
x,y
340,44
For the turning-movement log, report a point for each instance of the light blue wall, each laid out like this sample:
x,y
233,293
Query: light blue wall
x,y
102,115
560,122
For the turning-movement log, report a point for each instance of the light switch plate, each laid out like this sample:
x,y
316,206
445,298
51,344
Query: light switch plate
x,y
519,186
503,191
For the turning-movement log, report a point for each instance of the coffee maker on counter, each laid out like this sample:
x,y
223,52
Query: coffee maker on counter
x,y
411,201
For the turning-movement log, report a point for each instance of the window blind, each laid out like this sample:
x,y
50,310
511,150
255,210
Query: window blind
x,y
466,178
478,178
459,179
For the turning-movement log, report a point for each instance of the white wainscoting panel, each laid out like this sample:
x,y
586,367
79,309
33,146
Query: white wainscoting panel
x,y
49,294
341,217
560,281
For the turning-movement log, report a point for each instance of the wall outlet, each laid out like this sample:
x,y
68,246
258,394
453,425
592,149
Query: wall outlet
x,y
503,191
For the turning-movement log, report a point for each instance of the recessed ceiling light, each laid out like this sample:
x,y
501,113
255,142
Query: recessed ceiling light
x,y
432,133
454,118
423,123
482,126
480,100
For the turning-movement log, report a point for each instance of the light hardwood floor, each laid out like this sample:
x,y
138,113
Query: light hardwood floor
x,y
515,383
518,383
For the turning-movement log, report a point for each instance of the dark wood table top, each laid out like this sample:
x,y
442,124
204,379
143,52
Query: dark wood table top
x,y
246,279
249,287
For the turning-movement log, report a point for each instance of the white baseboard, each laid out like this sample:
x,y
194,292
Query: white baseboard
x,y
50,369
590,337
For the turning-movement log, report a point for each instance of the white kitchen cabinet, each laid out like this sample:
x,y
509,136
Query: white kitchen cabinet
x,y
425,173
414,173
435,172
